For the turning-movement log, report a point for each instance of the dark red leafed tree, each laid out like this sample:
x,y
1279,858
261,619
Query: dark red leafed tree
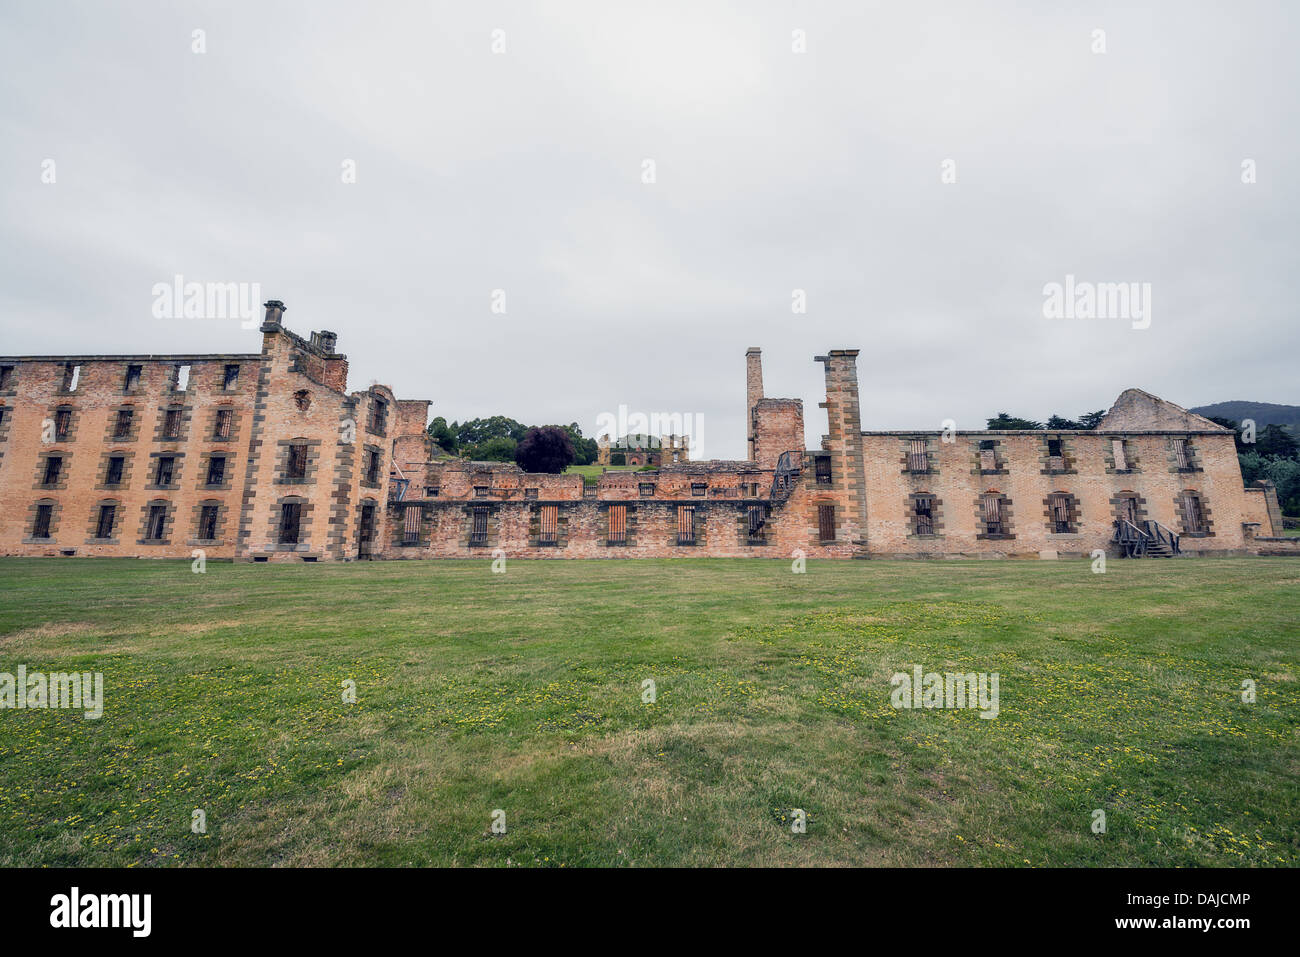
x,y
545,449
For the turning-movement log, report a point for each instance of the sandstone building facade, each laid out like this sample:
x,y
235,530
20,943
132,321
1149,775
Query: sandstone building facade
x,y
267,457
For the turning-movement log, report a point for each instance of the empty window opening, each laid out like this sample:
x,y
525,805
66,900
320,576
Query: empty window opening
x,y
71,376
290,523
231,377
302,399
617,524
216,470
923,509
182,377
165,470
988,455
372,466
113,474
378,416
156,524
826,522
1119,449
104,524
41,524
53,469
549,525
208,522
6,375
133,373
686,525
1055,457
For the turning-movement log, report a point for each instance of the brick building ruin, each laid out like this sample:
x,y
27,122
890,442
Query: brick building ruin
x,y
267,457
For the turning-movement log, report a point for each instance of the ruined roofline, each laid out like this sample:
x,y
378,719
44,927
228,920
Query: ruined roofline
x,y
1097,431
180,357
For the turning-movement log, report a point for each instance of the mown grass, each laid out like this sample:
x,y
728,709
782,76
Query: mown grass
x,y
522,692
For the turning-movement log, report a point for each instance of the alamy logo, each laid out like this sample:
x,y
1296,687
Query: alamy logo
x,y
75,691
207,300
932,689
103,910
1098,300
621,426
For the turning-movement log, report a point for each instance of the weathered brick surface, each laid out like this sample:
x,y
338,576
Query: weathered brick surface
x,y
856,496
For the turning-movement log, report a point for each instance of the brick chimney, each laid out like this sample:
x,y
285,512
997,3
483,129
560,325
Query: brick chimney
x,y
753,392
274,315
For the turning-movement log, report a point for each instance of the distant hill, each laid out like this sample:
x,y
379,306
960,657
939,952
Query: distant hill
x,y
1264,413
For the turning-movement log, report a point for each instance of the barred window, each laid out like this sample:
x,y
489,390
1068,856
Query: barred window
x,y
297,464
104,524
156,524
646,489
826,522
221,429
685,524
757,524
480,491
923,511
290,523
479,528
991,508
548,532
411,518
918,458
62,423
41,524
208,522
172,424
1183,453
122,427
530,494
1193,514
699,488
822,469
1058,507
617,524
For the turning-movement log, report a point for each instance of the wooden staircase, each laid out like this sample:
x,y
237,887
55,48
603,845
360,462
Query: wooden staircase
x,y
1148,540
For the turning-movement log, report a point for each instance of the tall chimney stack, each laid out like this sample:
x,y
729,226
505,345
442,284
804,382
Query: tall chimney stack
x,y
274,313
753,392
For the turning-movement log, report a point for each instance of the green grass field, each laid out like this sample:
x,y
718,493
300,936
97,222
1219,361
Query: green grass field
x,y
591,473
522,692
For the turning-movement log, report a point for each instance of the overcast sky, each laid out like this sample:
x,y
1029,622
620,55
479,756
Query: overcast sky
x,y
774,171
